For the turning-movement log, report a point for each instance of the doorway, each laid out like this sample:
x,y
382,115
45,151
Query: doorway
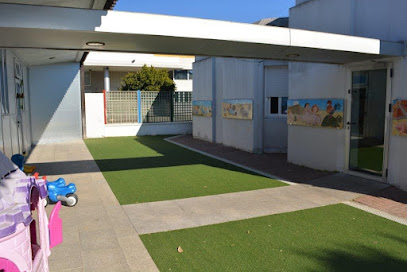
x,y
368,122
20,105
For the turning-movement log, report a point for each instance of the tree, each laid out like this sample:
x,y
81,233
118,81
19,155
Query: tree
x,y
148,79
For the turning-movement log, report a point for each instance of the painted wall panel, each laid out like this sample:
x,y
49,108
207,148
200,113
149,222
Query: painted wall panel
x,y
238,79
314,147
202,127
55,103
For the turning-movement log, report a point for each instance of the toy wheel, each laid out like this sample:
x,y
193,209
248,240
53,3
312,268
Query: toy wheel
x,y
72,200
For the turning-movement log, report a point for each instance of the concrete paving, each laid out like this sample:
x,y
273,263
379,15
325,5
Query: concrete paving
x,y
101,235
200,211
98,235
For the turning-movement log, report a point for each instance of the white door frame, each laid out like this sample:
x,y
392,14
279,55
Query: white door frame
x,y
351,69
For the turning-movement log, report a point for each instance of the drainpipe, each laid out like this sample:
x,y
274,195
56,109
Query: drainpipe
x,y
107,79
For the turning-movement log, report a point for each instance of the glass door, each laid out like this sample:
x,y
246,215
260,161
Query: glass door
x,y
368,119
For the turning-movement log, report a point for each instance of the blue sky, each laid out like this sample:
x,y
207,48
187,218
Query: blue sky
x,y
229,10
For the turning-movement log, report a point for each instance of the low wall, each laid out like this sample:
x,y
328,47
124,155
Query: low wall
x,y
144,129
96,128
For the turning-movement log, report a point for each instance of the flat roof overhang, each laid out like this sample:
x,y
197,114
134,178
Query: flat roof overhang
x,y
23,26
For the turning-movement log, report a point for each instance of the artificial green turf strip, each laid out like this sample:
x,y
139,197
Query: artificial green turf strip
x,y
370,158
146,169
331,238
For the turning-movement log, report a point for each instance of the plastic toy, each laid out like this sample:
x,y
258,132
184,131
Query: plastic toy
x,y
26,235
59,191
29,169
19,160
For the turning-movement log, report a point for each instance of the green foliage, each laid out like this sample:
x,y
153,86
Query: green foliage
x,y
148,79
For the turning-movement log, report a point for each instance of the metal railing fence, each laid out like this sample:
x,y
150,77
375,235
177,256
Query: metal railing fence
x,y
147,107
121,107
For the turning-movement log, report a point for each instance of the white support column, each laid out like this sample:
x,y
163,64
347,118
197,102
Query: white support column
x,y
107,79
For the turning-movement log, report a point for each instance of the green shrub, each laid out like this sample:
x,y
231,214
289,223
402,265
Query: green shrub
x,y
148,79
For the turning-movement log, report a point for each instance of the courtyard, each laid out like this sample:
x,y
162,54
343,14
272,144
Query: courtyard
x,y
242,220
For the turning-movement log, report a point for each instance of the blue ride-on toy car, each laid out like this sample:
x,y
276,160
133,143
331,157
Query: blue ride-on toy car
x,y
59,191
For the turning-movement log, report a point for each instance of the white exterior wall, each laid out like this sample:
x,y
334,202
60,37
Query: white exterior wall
x,y
334,16
95,117
183,85
55,103
202,127
240,79
368,18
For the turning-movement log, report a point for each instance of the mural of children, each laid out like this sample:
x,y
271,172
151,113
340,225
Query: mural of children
x,y
233,111
402,128
307,115
316,119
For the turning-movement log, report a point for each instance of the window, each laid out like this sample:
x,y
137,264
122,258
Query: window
x,y
277,106
273,105
190,75
87,79
5,108
283,105
181,74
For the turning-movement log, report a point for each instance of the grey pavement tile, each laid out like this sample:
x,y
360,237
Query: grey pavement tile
x,y
65,257
106,259
98,239
149,226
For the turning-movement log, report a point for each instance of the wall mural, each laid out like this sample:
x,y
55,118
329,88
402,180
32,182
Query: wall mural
x,y
399,123
202,108
237,109
316,112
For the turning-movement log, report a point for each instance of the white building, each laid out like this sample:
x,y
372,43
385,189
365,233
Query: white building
x,y
265,82
105,70
365,145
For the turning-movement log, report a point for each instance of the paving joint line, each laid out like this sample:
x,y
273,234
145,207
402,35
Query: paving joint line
x,y
169,139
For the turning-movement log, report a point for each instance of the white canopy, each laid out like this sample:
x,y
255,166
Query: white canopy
x,y
25,26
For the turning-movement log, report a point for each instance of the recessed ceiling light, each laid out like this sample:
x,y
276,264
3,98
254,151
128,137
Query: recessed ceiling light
x,y
95,44
51,57
292,55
